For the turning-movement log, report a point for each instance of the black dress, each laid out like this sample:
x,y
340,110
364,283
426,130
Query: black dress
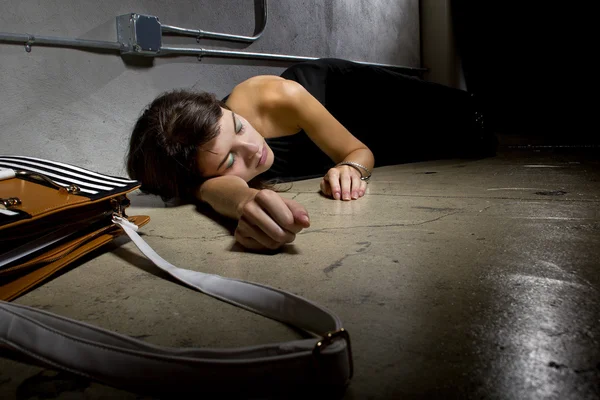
x,y
400,118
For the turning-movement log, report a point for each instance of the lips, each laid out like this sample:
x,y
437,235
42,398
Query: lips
x,y
263,156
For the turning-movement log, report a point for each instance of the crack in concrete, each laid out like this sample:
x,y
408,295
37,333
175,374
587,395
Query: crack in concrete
x,y
485,208
338,263
204,238
329,269
556,365
376,226
559,366
536,199
556,334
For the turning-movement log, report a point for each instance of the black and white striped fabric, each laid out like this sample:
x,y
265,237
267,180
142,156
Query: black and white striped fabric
x,y
92,184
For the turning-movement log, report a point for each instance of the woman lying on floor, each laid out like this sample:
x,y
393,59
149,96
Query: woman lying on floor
x,y
328,118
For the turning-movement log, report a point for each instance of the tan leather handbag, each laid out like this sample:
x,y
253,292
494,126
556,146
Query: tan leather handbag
x,y
51,214
54,213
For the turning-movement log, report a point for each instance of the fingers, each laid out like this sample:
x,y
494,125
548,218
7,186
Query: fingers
x,y
250,236
270,221
325,188
264,214
248,242
346,184
343,183
362,188
355,187
301,218
288,214
333,177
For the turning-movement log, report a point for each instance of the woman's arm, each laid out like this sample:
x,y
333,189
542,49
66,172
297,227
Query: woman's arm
x,y
226,195
291,102
265,219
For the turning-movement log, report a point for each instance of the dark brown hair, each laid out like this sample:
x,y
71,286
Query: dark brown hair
x,y
165,139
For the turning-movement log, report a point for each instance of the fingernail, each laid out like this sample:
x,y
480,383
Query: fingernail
x,y
336,195
305,219
346,196
354,195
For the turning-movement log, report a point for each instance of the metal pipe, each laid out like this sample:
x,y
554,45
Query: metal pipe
x,y
28,40
198,33
200,52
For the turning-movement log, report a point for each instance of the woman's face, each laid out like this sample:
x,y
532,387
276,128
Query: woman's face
x,y
237,150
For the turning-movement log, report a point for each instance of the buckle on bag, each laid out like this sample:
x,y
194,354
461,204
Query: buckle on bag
x,y
329,338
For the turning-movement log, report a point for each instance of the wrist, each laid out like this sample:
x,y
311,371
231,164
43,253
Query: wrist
x,y
250,195
365,173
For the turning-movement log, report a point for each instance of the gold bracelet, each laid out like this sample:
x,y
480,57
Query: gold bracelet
x,y
357,166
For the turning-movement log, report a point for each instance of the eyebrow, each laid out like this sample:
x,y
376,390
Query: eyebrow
x,y
227,155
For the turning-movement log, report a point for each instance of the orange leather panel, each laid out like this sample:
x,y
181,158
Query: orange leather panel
x,y
21,285
55,252
37,199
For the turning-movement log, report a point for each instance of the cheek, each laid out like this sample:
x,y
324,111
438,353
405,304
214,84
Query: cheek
x,y
202,167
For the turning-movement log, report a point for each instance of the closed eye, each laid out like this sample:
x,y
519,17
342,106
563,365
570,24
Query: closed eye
x,y
238,126
230,161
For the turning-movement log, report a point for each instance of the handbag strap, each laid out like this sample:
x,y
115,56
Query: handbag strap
x,y
121,361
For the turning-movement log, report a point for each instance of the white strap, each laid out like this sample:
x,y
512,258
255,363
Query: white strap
x,y
6,173
122,361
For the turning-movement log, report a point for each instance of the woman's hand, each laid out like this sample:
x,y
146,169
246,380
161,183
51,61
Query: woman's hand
x,y
343,182
268,221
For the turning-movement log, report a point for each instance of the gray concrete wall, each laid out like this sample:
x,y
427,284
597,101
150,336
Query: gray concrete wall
x,y
79,106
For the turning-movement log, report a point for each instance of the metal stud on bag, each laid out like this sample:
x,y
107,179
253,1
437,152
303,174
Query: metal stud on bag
x,y
10,202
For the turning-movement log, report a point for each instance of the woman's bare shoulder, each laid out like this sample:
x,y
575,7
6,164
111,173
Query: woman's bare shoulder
x,y
267,90
250,94
256,84
266,93
268,103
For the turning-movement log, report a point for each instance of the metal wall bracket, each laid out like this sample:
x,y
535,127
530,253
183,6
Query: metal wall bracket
x,y
139,34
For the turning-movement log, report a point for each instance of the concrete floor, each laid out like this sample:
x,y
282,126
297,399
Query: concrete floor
x,y
456,279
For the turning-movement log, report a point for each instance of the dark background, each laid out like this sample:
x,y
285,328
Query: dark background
x,y
532,65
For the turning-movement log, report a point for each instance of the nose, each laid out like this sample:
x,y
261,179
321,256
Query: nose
x,y
250,149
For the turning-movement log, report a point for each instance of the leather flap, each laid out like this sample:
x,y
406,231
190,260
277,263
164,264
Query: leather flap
x,y
49,263
40,187
37,199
